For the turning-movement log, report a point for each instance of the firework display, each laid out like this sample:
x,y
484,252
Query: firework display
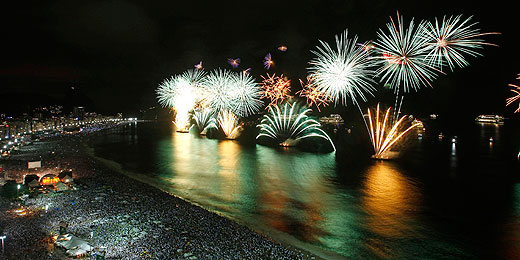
x,y
289,125
275,88
198,66
189,130
246,95
383,134
228,122
180,93
234,62
216,90
401,56
342,73
452,38
313,95
282,48
268,62
367,46
516,91
204,119
227,90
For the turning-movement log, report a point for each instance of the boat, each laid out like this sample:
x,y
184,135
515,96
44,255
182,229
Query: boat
x,y
496,119
332,119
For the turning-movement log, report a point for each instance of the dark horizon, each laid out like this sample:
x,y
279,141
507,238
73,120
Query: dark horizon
x,y
115,53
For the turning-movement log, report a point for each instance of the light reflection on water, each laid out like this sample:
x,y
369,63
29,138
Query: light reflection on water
x,y
288,190
389,198
380,213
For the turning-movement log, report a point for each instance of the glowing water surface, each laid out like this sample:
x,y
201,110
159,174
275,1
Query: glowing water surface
x,y
426,209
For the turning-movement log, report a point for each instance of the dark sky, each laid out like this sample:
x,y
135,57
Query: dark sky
x,y
115,53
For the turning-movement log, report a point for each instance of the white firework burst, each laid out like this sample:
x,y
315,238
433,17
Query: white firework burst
x,y
453,38
401,55
246,94
237,92
342,73
180,93
217,90
178,90
166,92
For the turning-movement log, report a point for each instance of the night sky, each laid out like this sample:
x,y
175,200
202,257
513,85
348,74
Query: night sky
x,y
115,53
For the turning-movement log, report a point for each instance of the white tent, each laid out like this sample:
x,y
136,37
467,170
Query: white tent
x,y
86,247
75,242
76,252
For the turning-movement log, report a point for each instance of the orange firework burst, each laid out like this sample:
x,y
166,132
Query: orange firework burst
x,y
511,100
275,88
383,135
313,95
516,90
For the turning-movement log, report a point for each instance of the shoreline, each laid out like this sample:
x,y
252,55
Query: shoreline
x,y
132,220
278,236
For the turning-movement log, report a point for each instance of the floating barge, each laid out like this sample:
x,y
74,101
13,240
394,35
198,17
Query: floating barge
x,y
494,119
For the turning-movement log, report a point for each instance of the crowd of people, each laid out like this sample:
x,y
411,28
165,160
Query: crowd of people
x,y
121,217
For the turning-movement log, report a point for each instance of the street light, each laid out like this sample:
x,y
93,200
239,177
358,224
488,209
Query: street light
x,y
3,237
17,189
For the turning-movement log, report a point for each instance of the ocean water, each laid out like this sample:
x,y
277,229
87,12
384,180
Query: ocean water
x,y
438,200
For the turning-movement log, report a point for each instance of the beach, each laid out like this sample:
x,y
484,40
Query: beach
x,y
129,218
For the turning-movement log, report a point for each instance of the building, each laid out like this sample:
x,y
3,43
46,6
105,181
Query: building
x,y
78,112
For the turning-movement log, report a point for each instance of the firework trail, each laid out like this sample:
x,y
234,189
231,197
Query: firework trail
x,y
282,48
313,95
275,88
451,39
268,62
289,126
344,72
228,122
383,134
